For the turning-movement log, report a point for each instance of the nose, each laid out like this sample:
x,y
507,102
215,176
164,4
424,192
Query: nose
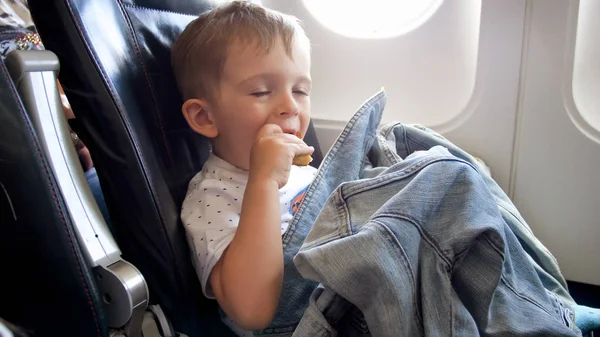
x,y
288,107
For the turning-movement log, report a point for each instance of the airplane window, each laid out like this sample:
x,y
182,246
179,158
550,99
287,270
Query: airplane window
x,y
586,69
376,19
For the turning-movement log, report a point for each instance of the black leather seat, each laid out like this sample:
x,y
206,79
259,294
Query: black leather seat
x,y
115,69
47,285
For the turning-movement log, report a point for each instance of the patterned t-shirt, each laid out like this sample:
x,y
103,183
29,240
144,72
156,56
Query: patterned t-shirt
x,y
212,208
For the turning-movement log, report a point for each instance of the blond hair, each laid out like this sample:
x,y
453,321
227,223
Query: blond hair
x,y
200,52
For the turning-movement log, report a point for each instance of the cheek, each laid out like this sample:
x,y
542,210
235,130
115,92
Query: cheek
x,y
247,126
305,117
307,106
235,117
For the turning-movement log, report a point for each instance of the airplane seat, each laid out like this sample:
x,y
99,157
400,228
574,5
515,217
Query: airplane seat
x,y
62,273
41,264
115,70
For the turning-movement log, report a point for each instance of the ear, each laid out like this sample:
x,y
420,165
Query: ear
x,y
199,118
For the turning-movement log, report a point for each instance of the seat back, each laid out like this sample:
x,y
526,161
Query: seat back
x,y
47,283
115,58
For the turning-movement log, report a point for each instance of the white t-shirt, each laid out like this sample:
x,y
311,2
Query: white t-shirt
x,y
213,204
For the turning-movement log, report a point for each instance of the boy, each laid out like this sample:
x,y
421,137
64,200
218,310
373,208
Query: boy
x,y
244,73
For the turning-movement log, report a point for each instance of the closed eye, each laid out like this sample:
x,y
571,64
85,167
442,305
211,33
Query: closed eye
x,y
301,92
260,93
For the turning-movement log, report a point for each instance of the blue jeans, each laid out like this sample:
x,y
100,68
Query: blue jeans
x,y
342,163
397,140
422,249
92,179
411,245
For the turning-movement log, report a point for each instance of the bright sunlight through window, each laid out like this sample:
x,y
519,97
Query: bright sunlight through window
x,y
373,19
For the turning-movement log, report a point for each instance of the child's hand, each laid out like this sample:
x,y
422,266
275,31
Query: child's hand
x,y
272,154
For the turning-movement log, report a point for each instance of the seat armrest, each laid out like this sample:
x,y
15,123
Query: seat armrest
x,y
123,288
34,74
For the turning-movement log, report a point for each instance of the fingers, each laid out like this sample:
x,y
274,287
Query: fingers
x,y
269,130
273,130
300,150
291,139
296,145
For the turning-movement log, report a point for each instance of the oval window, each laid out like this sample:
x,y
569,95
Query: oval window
x,y
586,69
375,19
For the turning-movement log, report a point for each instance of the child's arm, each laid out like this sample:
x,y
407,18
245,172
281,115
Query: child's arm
x,y
247,279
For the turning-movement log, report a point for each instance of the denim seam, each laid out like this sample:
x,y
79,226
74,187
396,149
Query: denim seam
x,y
424,234
509,284
458,257
498,250
366,145
517,219
343,209
392,157
406,263
345,231
393,177
523,296
323,241
368,142
391,127
505,281
494,246
498,201
406,140
289,235
388,128
436,248
384,133
409,139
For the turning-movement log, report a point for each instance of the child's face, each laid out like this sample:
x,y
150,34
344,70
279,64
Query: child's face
x,y
257,89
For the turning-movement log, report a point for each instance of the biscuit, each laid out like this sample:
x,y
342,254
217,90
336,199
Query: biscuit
x,y
302,160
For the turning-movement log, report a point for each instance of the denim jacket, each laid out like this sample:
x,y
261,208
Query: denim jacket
x,y
409,237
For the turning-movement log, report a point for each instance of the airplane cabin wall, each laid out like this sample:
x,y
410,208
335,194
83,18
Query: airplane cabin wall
x,y
514,82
